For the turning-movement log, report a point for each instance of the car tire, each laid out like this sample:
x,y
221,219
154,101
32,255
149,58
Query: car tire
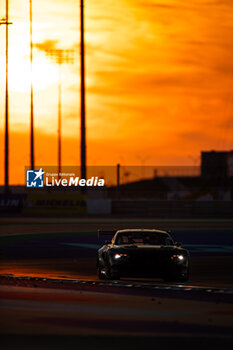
x,y
100,274
108,274
181,277
111,275
184,277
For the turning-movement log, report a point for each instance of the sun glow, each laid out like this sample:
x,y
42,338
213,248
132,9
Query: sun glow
x,y
158,81
44,74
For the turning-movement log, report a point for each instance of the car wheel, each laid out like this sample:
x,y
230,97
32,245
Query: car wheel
x,y
184,277
110,275
101,273
105,273
181,277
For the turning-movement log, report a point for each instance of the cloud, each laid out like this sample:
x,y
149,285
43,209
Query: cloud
x,y
47,45
156,5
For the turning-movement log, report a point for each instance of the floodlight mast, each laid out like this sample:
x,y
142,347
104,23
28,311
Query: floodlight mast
x,y
6,175
82,92
60,56
32,157
59,120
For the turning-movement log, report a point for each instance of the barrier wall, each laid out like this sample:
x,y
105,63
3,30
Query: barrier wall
x,y
99,206
173,209
77,205
12,203
55,203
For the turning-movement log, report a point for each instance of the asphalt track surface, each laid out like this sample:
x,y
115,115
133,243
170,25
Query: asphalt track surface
x,y
66,248
59,302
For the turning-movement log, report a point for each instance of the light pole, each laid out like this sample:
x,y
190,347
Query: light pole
x,y
6,177
32,106
82,93
59,119
60,56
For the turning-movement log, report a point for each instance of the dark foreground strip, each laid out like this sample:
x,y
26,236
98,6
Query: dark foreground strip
x,y
106,342
135,326
125,287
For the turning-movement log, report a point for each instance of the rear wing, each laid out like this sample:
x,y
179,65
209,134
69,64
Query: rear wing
x,y
106,233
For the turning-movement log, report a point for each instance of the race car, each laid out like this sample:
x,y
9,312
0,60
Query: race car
x,y
142,253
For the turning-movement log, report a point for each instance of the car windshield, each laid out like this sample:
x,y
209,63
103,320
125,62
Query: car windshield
x,y
143,238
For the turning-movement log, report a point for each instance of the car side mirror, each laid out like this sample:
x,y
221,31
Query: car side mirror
x,y
107,242
178,244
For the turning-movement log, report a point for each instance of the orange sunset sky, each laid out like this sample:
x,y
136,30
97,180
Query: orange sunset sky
x,y
159,77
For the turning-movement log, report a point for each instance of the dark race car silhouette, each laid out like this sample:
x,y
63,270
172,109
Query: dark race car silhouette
x,y
142,253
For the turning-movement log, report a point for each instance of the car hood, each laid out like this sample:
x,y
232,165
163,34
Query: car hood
x,y
149,248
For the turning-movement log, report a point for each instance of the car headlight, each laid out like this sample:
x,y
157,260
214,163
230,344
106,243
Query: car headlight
x,y
118,256
178,257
